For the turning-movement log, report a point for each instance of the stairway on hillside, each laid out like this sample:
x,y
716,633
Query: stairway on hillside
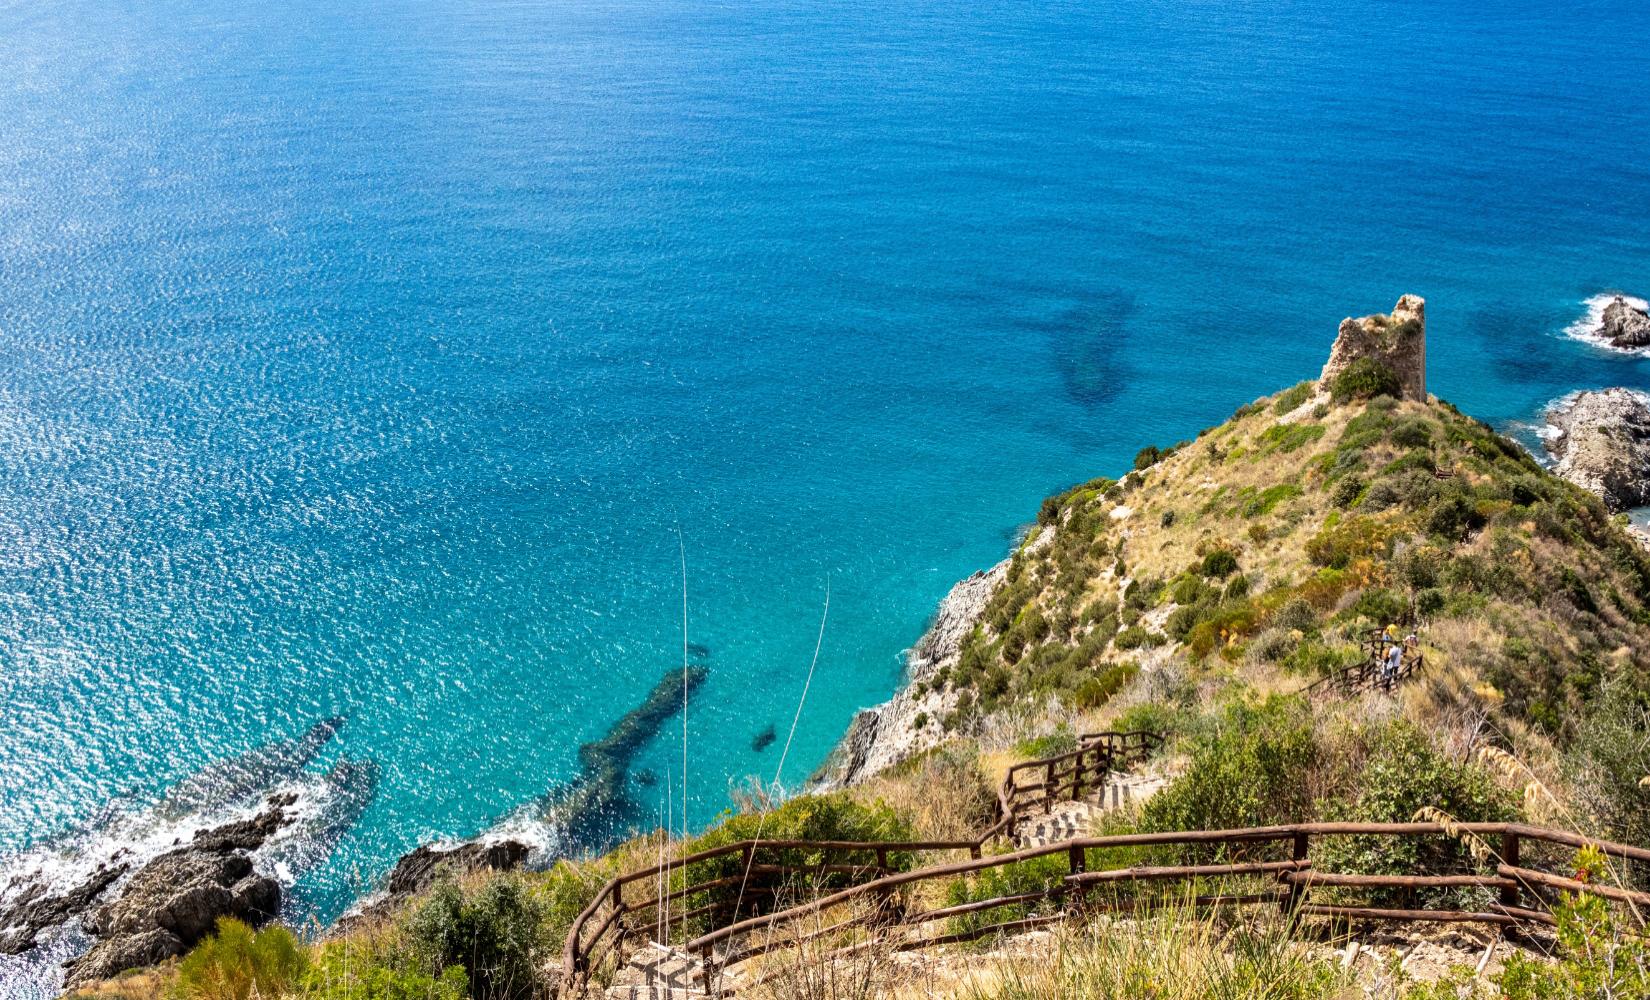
x,y
1071,819
658,972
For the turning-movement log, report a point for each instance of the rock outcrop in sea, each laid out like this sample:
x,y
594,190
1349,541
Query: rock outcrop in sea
x,y
1601,439
1397,340
176,899
1625,325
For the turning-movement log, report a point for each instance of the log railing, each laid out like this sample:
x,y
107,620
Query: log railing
x,y
1278,856
1366,674
623,909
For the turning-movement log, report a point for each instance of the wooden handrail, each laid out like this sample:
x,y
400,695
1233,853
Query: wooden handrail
x,y
1297,871
1068,773
1095,757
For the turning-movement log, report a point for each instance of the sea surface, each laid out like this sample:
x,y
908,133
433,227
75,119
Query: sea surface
x,y
387,361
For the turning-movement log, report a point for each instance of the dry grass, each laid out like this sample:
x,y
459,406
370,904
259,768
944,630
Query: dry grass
x,y
1174,955
143,984
948,794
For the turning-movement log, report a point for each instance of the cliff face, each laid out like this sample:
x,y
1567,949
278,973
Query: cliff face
x,y
909,722
1603,445
1397,340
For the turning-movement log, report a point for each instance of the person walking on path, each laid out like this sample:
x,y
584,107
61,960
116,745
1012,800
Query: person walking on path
x,y
1392,657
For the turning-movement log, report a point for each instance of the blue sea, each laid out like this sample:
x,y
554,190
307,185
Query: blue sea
x,y
387,361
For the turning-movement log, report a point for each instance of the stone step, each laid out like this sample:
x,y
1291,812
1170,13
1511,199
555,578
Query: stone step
x,y
1073,818
660,968
635,992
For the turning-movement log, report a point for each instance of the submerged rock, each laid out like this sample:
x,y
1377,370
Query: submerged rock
x,y
1625,325
1398,341
176,899
1602,442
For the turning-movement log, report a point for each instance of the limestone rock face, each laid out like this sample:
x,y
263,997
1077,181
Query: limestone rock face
x,y
176,899
1398,341
1625,325
883,736
1602,442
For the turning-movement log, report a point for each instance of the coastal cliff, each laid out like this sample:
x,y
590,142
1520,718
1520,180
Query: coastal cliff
x,y
908,723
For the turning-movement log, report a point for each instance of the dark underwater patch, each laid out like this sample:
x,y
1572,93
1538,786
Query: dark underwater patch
x,y
1086,343
765,739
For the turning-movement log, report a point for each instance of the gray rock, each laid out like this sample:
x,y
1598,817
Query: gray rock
x,y
176,899
1625,325
1398,341
420,868
33,911
1603,445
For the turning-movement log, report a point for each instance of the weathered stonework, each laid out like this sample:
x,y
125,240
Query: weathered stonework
x,y
1398,341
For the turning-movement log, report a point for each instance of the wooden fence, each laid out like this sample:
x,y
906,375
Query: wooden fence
x,y
1366,675
723,883
1511,892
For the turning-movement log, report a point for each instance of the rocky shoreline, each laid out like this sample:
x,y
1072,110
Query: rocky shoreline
x,y
1601,441
910,721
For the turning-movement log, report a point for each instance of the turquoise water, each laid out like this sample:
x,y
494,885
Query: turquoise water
x,y
365,360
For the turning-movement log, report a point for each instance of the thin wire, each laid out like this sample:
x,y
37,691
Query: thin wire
x,y
763,819
681,549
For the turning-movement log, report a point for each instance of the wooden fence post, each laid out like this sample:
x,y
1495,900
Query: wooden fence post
x,y
1296,895
1509,856
1079,865
1048,787
1077,774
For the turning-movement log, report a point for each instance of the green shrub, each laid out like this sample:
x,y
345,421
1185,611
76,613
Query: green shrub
x,y
1167,520
236,963
1245,770
1404,773
1263,502
494,933
1135,637
1062,740
1319,659
1412,432
1220,563
345,970
1339,544
1608,759
1038,875
1599,958
1346,492
834,816
1379,605
1148,717
1286,438
1099,689
1295,614
1363,379
1147,457
1188,588
1290,399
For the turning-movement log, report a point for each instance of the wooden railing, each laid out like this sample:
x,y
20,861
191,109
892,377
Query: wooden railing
x,y
1367,674
622,909
1278,856
1035,786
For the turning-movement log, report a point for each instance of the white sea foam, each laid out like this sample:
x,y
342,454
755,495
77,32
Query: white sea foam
x,y
133,833
1588,327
